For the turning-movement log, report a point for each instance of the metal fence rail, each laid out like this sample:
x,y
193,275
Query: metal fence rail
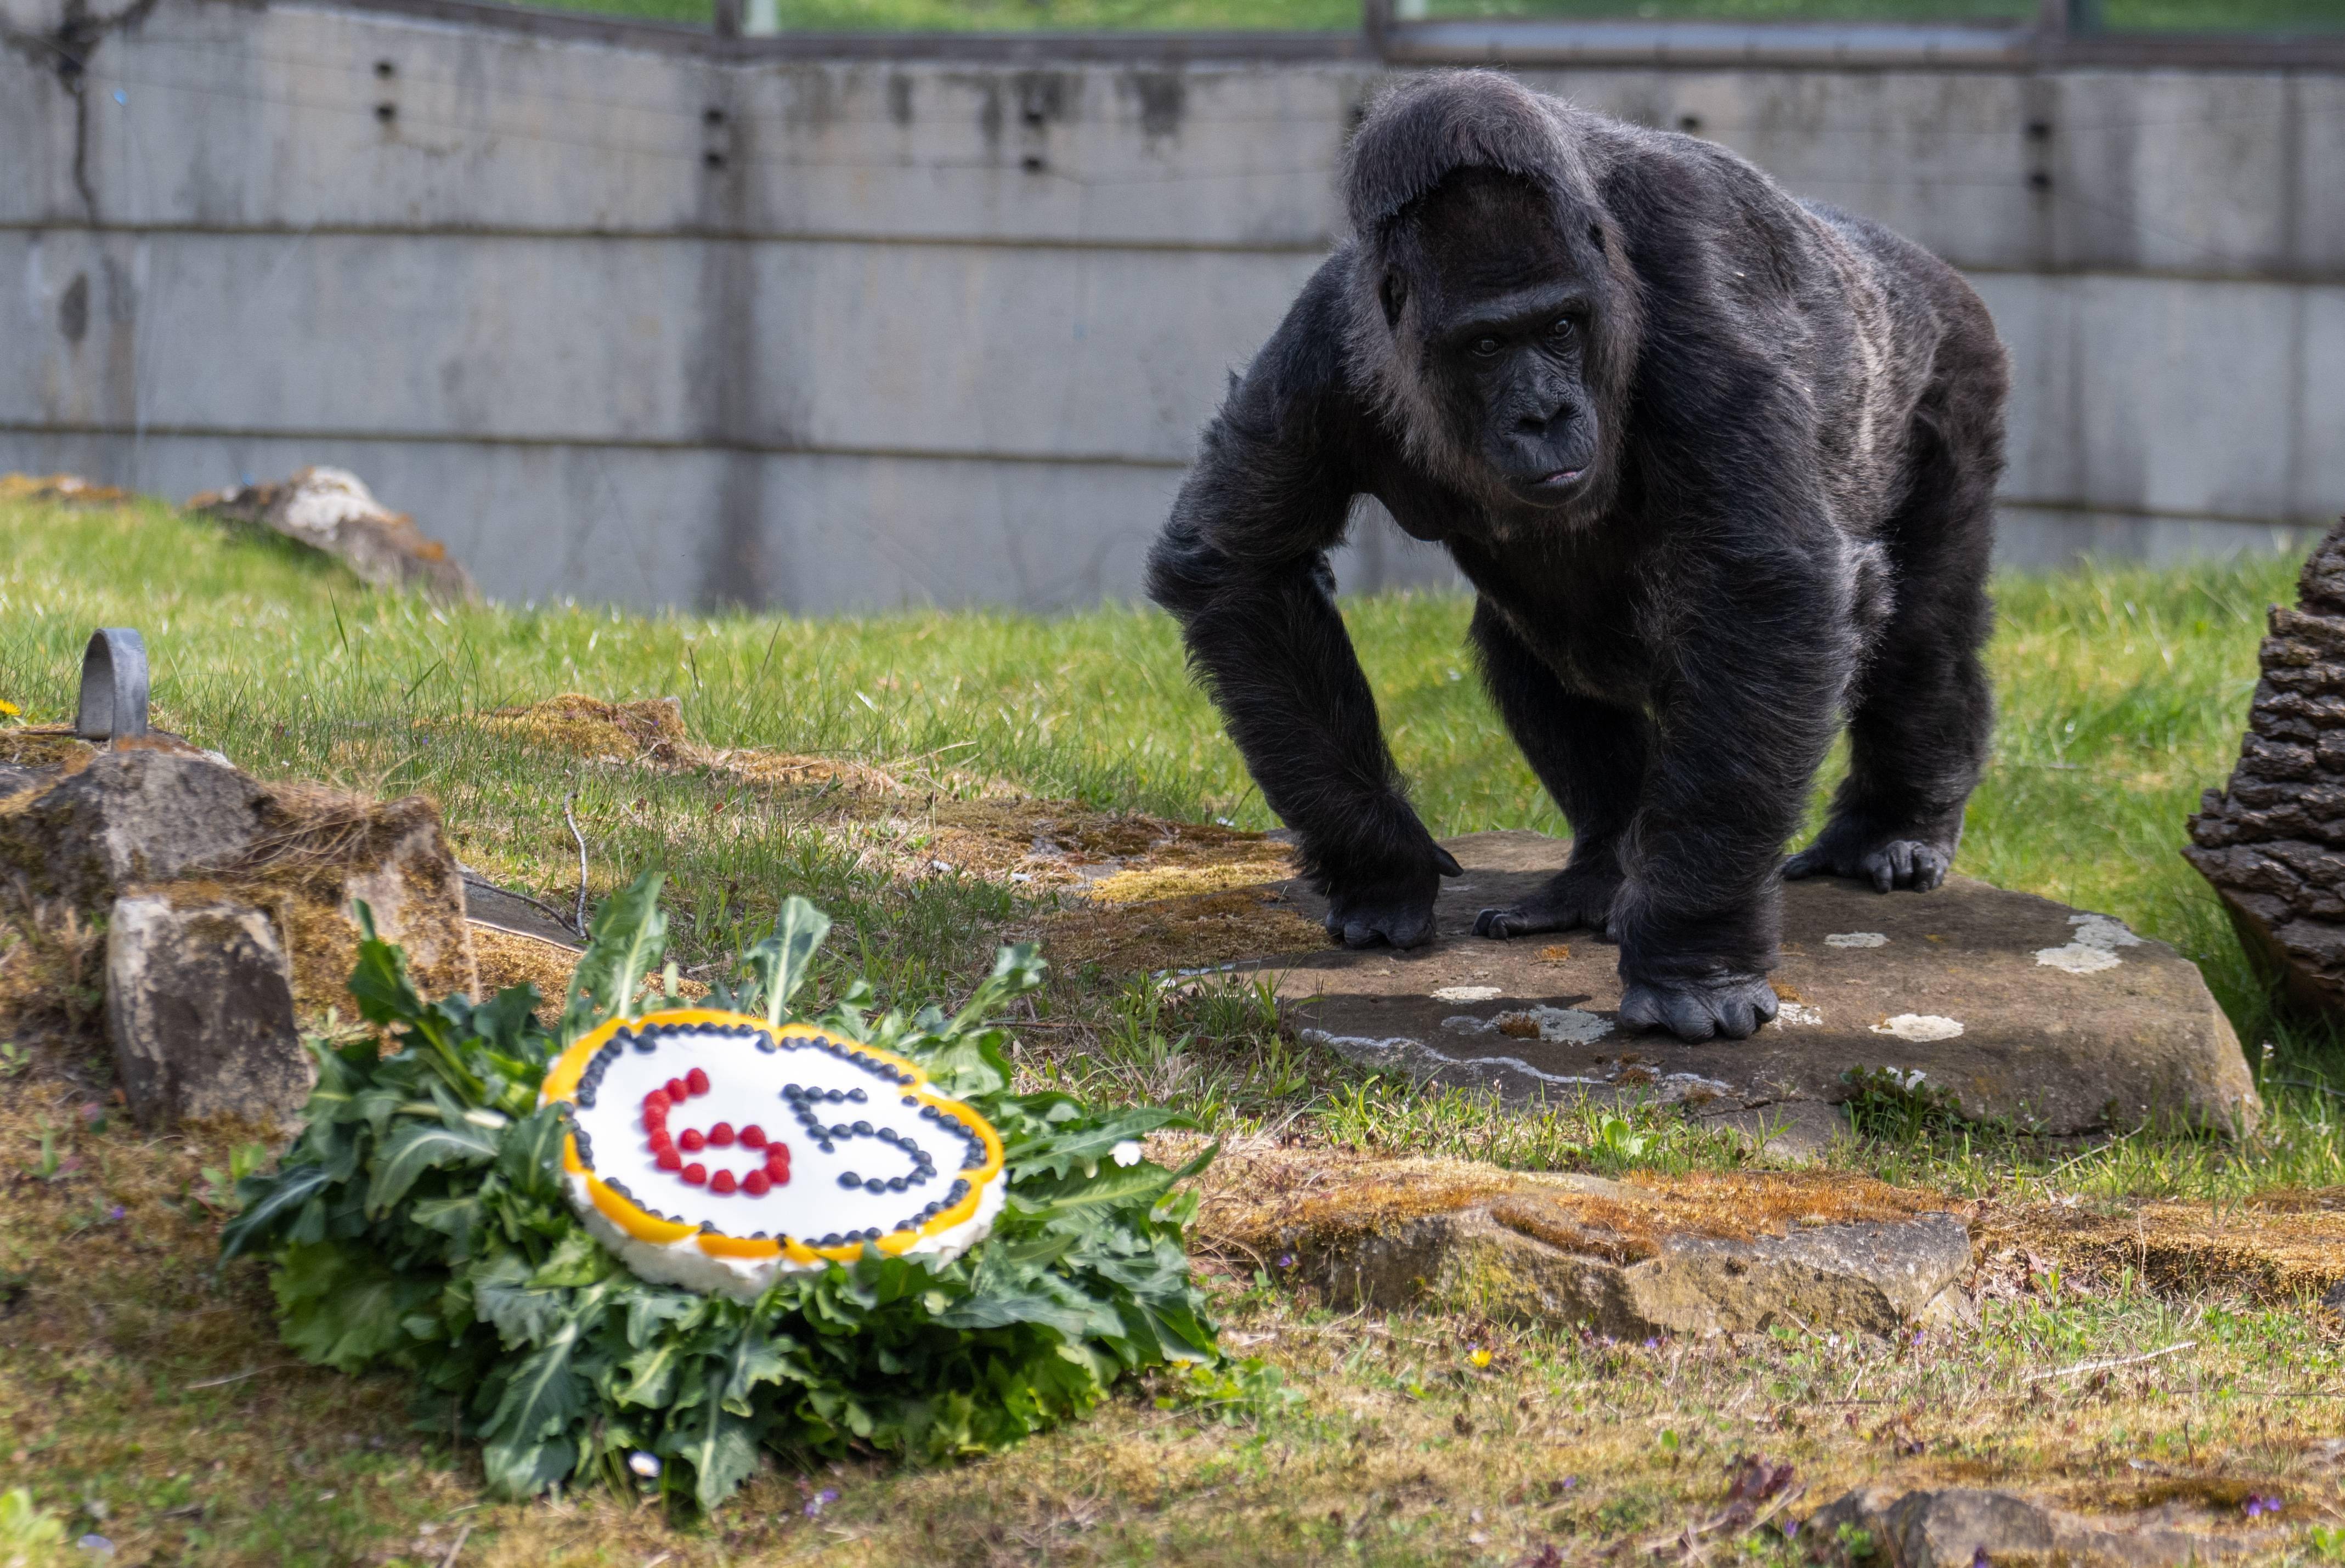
x,y
2062,34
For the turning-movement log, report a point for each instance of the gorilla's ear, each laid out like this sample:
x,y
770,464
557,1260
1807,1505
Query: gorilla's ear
x,y
1596,235
1394,294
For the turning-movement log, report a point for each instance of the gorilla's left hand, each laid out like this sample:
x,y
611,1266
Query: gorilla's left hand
x,y
1396,907
1696,1008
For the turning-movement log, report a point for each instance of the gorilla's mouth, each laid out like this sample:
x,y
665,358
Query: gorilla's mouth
x,y
1555,487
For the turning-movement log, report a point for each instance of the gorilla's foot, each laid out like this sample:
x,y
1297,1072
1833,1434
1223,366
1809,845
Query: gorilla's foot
x,y
1909,857
1571,898
1697,1009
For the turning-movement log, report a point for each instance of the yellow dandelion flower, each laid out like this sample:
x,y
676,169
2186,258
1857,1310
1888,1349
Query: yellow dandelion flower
x,y
9,710
1480,1358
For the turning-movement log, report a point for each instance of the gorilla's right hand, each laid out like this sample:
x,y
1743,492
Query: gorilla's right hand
x,y
1395,906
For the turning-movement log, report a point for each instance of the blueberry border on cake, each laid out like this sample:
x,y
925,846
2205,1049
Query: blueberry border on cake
x,y
674,1249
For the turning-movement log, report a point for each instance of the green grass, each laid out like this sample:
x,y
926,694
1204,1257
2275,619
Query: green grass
x,y
2122,693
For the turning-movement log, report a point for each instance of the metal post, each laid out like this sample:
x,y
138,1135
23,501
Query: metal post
x,y
113,685
1375,26
728,20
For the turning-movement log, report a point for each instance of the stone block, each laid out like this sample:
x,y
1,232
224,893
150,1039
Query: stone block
x,y
331,511
1701,1254
1992,1003
156,816
142,811
1963,1526
199,1011
414,886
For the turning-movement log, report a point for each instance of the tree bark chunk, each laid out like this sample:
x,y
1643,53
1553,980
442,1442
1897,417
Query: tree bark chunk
x,y
2273,842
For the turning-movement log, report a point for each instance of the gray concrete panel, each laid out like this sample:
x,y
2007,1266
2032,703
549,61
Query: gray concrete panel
x,y
2135,395
636,323
649,529
2318,469
1943,157
1058,353
272,118
2032,539
1067,352
2032,315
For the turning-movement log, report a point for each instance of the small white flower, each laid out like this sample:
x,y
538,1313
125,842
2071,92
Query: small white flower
x,y
1126,1153
643,1464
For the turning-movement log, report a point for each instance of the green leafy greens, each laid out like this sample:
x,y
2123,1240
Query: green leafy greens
x,y
420,1223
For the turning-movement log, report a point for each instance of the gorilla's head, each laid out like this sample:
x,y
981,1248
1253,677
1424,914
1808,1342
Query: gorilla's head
x,y
1492,308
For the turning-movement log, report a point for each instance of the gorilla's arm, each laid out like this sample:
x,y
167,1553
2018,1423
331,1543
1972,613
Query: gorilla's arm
x,y
1243,565
1760,659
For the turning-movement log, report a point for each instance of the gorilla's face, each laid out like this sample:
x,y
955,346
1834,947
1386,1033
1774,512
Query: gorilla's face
x,y
1511,359
1501,308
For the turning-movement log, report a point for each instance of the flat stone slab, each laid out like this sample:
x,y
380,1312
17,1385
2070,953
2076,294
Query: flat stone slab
x,y
1961,1527
1702,1253
2012,1004
486,903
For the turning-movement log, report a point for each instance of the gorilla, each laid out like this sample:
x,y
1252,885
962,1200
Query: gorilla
x,y
1720,466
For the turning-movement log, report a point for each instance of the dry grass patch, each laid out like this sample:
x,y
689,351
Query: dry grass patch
x,y
651,732
1263,1200
508,959
2285,1246
60,489
917,821
1194,933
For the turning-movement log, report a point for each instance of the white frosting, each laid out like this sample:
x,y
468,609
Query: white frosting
x,y
683,1263
745,1088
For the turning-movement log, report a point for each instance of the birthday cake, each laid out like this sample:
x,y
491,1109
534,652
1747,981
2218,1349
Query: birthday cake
x,y
716,1151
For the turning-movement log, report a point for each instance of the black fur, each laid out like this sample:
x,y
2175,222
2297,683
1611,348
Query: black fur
x,y
1720,466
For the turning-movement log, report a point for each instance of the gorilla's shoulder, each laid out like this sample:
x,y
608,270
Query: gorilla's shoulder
x,y
1305,356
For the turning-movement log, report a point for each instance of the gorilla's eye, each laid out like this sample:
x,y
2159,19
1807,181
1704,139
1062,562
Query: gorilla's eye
x,y
1486,347
1564,327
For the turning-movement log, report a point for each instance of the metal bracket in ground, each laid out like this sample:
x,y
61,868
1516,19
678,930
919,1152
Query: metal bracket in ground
x,y
113,685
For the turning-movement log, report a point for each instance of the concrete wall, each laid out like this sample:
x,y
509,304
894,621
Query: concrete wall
x,y
661,327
